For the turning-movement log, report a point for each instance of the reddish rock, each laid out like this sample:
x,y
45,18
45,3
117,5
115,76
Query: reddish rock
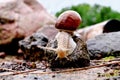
x,y
18,19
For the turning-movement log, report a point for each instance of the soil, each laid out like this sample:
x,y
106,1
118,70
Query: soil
x,y
12,68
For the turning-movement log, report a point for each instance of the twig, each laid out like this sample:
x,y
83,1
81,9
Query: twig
x,y
7,69
18,72
116,59
79,69
15,73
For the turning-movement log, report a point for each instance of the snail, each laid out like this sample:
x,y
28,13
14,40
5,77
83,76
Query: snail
x,y
66,23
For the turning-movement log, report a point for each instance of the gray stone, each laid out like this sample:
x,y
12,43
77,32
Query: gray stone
x,y
103,45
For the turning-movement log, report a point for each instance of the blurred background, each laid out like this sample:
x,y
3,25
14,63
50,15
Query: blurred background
x,y
92,11
56,5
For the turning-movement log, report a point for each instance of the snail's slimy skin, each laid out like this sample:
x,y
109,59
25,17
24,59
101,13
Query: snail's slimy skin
x,y
66,44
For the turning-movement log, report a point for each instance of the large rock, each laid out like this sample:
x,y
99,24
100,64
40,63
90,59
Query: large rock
x,y
103,45
18,19
37,47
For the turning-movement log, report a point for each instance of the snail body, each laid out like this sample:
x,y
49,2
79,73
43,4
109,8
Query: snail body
x,y
66,44
66,23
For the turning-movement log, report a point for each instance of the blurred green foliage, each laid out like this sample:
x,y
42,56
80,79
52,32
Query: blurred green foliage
x,y
92,14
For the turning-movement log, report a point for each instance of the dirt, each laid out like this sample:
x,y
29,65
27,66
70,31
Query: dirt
x,y
12,68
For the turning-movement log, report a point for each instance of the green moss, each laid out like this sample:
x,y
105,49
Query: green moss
x,y
109,58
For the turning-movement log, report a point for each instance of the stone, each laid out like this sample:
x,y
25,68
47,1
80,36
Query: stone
x,y
34,50
103,45
112,25
19,19
29,46
78,58
90,32
49,30
2,55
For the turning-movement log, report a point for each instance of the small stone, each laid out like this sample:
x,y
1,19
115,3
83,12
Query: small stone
x,y
53,76
35,78
2,54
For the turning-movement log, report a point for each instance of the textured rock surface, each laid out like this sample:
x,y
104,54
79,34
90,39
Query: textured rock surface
x,y
29,46
104,45
79,57
18,19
